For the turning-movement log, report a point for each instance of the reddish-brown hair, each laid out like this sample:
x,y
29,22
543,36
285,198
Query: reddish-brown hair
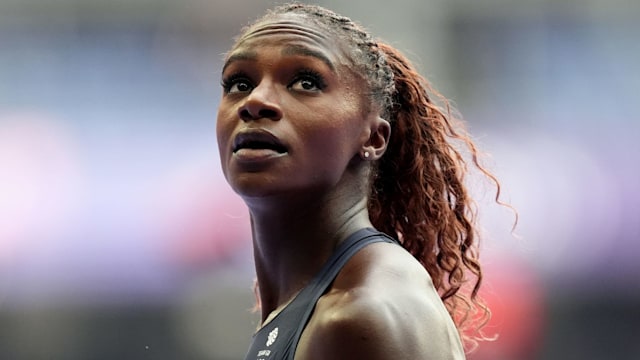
x,y
419,194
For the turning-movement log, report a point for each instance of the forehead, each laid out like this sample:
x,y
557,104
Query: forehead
x,y
294,31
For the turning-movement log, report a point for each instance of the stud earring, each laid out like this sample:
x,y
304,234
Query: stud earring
x,y
366,154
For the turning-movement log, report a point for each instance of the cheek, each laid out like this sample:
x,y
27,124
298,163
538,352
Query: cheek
x,y
336,140
348,127
224,129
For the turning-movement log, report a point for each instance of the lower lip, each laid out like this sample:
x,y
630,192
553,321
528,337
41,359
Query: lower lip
x,y
257,155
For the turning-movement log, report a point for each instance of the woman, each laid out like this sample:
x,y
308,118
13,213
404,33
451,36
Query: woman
x,y
327,135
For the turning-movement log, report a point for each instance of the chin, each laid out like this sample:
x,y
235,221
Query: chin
x,y
249,187
272,193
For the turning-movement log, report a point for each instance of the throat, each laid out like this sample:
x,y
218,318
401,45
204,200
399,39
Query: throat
x,y
291,244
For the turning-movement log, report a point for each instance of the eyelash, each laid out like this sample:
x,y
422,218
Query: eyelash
x,y
304,74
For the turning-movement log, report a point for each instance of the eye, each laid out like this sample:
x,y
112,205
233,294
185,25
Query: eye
x,y
308,80
236,83
239,86
305,84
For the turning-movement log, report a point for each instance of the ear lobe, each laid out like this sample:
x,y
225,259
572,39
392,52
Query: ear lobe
x,y
378,140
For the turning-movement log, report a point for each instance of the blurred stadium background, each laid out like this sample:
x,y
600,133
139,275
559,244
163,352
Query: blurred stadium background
x,y
119,238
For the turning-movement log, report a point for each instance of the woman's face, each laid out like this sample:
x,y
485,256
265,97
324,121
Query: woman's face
x,y
292,113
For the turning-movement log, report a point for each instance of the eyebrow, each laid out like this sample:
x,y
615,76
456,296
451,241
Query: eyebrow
x,y
251,55
305,51
248,55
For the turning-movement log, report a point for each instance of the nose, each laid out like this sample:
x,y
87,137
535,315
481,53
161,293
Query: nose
x,y
261,103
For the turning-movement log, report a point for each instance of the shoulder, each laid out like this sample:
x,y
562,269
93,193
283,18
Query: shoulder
x,y
381,306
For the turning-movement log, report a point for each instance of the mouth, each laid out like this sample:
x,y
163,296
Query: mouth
x,y
258,139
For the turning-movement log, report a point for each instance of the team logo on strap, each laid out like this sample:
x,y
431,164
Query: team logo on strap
x,y
272,336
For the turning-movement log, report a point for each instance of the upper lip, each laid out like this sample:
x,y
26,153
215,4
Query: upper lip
x,y
257,139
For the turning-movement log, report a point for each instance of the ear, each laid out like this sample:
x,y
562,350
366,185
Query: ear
x,y
375,146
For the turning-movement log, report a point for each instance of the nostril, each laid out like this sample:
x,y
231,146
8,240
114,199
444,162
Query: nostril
x,y
245,114
268,113
250,112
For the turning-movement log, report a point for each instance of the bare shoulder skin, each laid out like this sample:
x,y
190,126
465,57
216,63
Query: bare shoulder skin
x,y
382,306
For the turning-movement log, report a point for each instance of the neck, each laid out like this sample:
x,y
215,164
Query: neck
x,y
292,239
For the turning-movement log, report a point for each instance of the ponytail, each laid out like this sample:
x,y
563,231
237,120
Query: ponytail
x,y
419,196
